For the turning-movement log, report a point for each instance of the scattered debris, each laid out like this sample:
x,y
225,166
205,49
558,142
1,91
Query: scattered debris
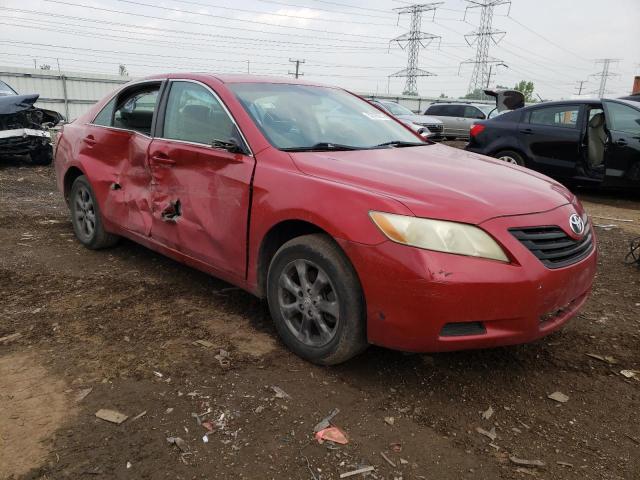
x,y
488,413
395,447
326,421
332,434
158,374
603,358
357,472
403,461
389,420
82,394
387,459
10,338
203,343
630,373
280,393
128,465
559,397
259,409
208,425
111,416
565,464
223,358
526,463
632,438
140,415
205,438
606,227
178,442
526,471
169,410
611,219
491,434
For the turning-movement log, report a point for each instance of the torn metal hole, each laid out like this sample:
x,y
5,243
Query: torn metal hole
x,y
172,212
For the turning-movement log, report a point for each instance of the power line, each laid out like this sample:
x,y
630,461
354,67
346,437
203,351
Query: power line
x,y
412,41
482,37
579,86
297,73
604,74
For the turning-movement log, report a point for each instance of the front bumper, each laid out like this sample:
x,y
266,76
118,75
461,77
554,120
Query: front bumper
x,y
19,141
423,301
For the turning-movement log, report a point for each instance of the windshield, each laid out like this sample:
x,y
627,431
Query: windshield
x,y
486,109
6,89
301,117
396,109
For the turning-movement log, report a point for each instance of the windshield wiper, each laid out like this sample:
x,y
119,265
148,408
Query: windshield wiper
x,y
321,147
400,143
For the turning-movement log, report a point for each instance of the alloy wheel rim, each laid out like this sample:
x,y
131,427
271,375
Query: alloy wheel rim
x,y
85,214
308,303
509,159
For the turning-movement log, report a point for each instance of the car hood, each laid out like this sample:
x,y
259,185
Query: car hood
x,y
436,181
421,119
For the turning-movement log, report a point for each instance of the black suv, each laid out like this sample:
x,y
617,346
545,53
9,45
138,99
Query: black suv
x,y
593,142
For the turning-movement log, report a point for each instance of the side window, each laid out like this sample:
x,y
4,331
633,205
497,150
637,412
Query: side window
x,y
105,116
135,111
194,114
473,112
558,116
623,118
433,110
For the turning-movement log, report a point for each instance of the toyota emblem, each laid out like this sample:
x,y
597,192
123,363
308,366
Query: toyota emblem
x,y
577,224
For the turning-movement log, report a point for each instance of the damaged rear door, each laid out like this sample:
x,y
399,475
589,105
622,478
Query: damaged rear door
x,y
200,193
117,143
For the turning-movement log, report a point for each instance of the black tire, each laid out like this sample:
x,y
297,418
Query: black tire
x,y
42,155
515,158
84,212
341,291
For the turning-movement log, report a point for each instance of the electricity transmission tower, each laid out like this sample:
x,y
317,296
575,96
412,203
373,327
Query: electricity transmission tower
x,y
412,41
482,38
297,73
579,86
604,74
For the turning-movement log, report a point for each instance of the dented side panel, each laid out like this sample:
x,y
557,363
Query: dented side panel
x,y
200,202
120,175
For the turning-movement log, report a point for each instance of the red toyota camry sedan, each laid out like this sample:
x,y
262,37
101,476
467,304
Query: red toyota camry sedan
x,y
356,230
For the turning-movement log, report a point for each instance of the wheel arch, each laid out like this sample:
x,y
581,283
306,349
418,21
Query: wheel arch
x,y
278,235
69,177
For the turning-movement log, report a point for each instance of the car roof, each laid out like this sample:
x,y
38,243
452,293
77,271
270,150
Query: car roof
x,y
235,78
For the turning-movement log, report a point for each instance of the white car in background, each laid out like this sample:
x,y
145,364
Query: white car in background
x,y
425,125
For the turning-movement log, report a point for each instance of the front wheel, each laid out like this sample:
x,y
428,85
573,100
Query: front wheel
x,y
86,218
511,157
316,300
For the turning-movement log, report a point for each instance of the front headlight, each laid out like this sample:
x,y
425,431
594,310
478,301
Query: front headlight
x,y
438,235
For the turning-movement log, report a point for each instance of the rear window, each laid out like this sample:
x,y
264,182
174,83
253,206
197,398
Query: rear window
x,y
6,89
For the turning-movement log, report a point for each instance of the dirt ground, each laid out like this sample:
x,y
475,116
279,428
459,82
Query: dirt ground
x,y
118,327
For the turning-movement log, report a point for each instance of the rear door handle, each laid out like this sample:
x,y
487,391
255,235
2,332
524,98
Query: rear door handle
x,y
621,142
527,131
162,160
89,140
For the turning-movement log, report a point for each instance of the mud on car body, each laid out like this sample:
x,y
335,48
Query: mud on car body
x,y
23,127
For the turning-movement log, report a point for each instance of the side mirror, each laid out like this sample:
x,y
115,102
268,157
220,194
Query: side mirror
x,y
231,145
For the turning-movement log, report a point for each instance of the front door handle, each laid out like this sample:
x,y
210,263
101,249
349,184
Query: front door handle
x,y
621,142
527,131
162,160
89,140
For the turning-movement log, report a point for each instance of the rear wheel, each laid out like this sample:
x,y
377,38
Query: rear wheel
x,y
316,300
86,218
512,157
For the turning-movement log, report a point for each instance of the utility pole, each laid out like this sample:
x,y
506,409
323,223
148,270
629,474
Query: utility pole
x,y
482,38
580,86
604,74
501,64
412,41
248,69
297,73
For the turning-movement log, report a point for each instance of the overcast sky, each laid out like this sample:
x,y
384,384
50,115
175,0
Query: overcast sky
x,y
553,43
